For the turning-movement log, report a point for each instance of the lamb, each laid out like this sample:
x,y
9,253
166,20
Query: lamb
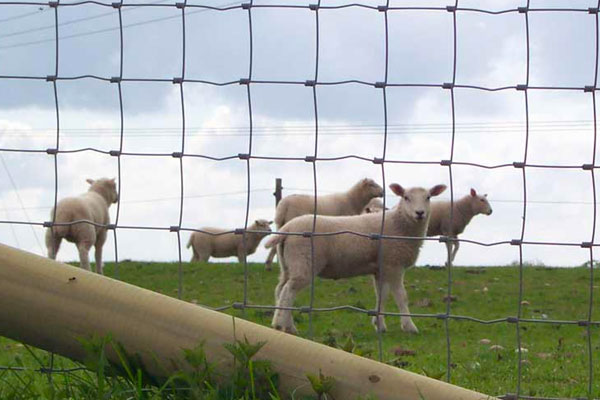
x,y
464,210
351,202
375,205
91,206
228,244
348,255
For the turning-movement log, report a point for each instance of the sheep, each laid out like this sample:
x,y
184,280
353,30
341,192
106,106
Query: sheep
x,y
349,255
375,205
205,245
91,206
464,210
351,202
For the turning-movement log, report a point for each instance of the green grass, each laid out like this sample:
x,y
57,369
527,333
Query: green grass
x,y
557,355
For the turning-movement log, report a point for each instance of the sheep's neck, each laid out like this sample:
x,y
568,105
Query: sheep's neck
x,y
465,213
102,193
358,198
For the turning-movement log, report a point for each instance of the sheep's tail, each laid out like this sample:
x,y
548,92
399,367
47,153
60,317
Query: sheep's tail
x,y
62,215
274,241
189,243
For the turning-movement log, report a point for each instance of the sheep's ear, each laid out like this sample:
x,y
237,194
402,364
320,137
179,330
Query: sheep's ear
x,y
368,210
270,222
114,179
473,192
90,181
485,195
397,189
437,190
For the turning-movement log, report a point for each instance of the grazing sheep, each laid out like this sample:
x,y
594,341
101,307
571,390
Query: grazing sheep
x,y
464,210
91,206
348,255
229,244
375,205
351,202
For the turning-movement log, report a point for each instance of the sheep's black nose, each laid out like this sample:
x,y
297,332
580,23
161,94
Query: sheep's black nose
x,y
420,214
490,213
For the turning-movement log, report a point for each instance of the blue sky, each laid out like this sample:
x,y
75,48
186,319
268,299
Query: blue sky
x,y
491,52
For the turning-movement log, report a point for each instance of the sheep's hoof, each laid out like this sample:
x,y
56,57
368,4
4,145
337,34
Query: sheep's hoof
x,y
268,267
380,326
291,330
410,327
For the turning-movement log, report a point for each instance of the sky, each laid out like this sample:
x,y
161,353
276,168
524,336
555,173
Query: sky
x,y
490,130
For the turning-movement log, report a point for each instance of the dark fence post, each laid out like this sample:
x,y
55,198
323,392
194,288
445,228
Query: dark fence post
x,y
277,192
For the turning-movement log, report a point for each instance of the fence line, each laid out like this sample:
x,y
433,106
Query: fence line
x,y
314,159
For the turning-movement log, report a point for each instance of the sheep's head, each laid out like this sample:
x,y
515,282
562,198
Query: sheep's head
x,y
375,205
371,187
415,202
262,225
479,203
106,187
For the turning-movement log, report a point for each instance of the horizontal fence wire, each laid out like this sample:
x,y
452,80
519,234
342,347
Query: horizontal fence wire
x,y
317,130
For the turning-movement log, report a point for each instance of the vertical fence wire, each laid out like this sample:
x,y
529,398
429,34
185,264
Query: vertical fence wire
x,y
118,153
248,156
180,156
313,85
588,327
313,159
524,217
452,10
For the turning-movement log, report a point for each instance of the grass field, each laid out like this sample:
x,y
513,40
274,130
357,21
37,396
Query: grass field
x,y
556,361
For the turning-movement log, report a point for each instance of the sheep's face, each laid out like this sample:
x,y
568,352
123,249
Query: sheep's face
x,y
262,225
375,205
480,204
415,202
372,188
106,187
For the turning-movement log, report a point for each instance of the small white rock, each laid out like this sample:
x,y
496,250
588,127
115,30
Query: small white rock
x,y
496,347
485,289
485,341
523,350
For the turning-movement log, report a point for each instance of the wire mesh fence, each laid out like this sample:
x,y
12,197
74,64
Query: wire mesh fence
x,y
312,84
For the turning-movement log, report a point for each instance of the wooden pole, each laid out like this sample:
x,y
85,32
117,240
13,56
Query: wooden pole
x,y
277,193
50,305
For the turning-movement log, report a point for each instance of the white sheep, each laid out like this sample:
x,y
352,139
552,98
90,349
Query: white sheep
x,y
375,205
351,202
91,206
347,255
463,211
205,245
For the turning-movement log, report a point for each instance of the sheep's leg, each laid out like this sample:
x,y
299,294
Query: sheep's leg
x,y
98,252
449,245
98,259
283,274
456,246
270,258
195,255
401,297
52,244
84,260
282,319
382,289
241,253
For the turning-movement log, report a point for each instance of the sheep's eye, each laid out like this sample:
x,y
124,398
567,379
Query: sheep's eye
x,y
428,197
406,198
482,200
